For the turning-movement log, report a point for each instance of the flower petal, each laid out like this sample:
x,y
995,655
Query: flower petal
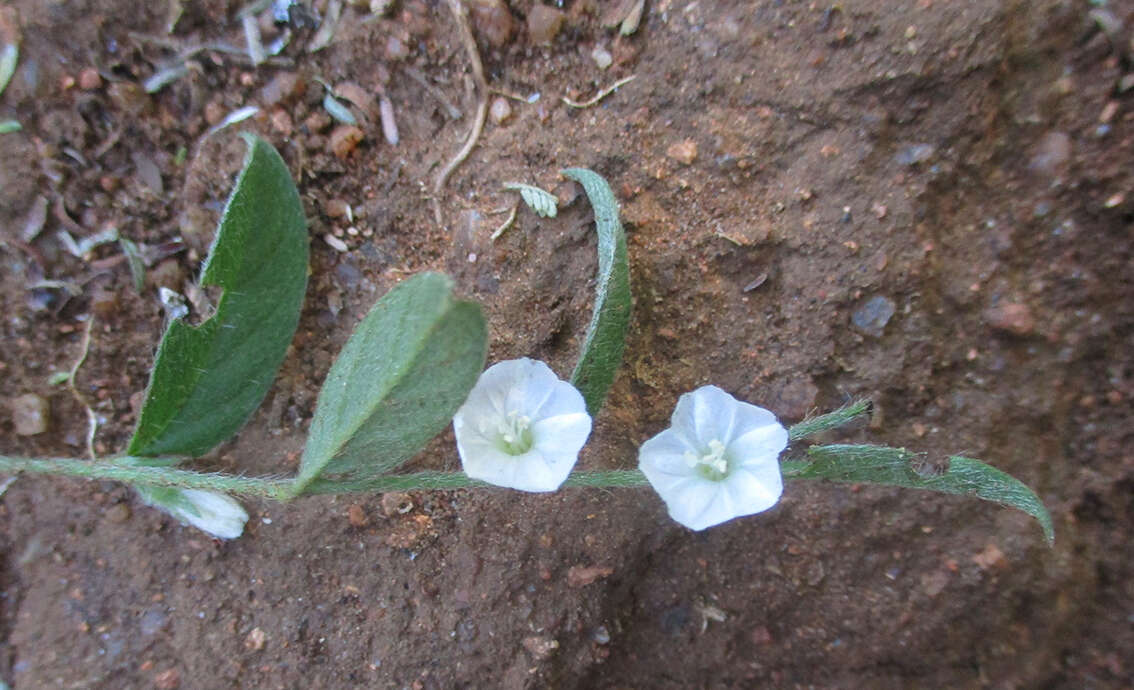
x,y
699,503
754,490
563,398
217,514
665,454
562,433
758,446
705,415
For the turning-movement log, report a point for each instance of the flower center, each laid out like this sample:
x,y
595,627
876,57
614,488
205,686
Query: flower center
x,y
712,465
515,434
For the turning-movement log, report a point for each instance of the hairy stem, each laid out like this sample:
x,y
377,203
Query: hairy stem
x,y
831,420
266,487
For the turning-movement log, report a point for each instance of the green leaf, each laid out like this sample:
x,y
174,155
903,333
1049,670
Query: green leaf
x,y
397,383
896,467
542,202
207,380
606,335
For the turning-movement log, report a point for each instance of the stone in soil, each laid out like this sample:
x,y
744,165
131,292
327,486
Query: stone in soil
x,y
544,24
1013,317
1051,154
344,139
501,111
684,152
31,414
872,317
493,21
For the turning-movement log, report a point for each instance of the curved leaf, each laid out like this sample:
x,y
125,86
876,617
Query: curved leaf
x,y
893,467
606,335
207,380
397,383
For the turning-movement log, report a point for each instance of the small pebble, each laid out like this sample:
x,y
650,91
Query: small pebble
x,y
128,97
1051,153
356,515
602,57
581,575
89,79
214,112
872,317
281,121
684,152
335,243
344,139
389,124
109,183
255,640
118,513
990,557
317,122
396,503
1013,317
283,87
544,24
30,414
1106,115
104,303
336,208
493,21
360,97
396,49
540,647
501,110
167,274
761,636
168,680
914,154
934,583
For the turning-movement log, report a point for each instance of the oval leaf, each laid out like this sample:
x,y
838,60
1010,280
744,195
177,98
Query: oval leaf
x,y
606,335
893,467
208,380
397,383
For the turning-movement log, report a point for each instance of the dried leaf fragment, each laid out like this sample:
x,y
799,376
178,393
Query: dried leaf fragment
x,y
544,203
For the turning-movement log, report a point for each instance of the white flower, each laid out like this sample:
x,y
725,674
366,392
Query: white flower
x,y
216,513
718,460
521,427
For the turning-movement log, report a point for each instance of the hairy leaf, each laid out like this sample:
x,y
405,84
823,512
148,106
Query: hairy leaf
x,y
542,202
606,335
207,380
397,383
897,467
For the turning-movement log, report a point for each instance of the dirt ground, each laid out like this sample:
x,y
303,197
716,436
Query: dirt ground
x,y
789,173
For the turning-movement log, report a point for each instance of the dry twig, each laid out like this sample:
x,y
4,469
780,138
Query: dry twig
x,y
601,94
92,419
460,12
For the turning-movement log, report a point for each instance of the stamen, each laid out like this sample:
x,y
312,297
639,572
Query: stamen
x,y
515,435
712,465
